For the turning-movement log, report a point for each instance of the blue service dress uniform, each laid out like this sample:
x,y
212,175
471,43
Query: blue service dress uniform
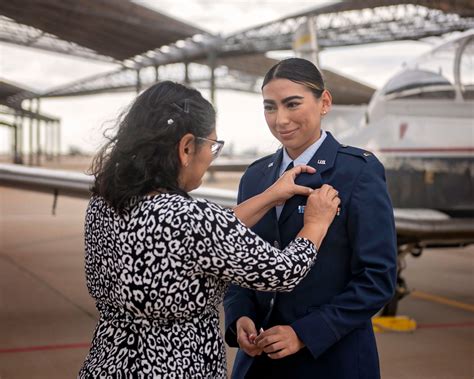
x,y
353,278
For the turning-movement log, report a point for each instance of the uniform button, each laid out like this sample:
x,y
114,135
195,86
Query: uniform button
x,y
276,244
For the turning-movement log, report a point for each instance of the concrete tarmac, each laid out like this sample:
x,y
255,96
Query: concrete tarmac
x,y
47,317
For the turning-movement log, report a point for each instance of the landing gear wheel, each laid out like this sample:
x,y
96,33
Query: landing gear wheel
x,y
402,290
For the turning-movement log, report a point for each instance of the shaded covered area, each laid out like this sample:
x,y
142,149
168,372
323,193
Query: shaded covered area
x,y
41,131
145,41
138,37
241,74
118,28
464,8
347,91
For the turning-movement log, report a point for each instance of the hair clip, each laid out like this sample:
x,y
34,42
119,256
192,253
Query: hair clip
x,y
186,106
170,121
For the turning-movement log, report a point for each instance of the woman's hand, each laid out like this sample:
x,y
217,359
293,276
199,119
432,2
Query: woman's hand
x,y
246,334
253,209
322,206
319,212
279,341
285,187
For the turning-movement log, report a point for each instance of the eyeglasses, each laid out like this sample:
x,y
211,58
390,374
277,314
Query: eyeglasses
x,y
216,146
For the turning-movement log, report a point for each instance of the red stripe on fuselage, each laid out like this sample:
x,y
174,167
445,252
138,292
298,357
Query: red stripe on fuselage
x,y
425,150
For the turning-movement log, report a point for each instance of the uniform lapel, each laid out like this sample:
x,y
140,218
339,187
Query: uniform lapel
x,y
322,161
270,175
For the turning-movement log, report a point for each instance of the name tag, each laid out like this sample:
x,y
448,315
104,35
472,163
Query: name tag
x,y
321,161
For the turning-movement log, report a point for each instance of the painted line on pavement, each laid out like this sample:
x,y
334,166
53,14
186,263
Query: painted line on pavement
x,y
443,300
446,325
28,349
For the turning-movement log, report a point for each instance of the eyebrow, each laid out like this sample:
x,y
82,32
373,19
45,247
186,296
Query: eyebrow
x,y
284,101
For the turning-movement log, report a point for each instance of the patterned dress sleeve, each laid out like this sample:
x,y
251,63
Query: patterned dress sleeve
x,y
227,249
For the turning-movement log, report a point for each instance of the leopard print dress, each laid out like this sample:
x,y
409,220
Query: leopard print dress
x,y
158,273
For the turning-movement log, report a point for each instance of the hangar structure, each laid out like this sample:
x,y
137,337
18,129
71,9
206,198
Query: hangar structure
x,y
50,124
148,46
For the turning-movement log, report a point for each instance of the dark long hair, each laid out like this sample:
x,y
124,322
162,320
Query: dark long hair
x,y
143,155
300,71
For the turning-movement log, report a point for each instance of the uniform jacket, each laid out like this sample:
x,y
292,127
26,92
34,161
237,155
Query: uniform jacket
x,y
353,277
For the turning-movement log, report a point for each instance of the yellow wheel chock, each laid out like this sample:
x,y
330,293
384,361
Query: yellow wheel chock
x,y
393,324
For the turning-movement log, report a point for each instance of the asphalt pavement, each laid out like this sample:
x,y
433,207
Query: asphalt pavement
x,y
47,317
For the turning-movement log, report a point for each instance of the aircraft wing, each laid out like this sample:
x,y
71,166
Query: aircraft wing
x,y
423,227
77,184
429,227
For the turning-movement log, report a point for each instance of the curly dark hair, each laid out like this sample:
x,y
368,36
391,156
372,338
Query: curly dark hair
x,y
300,71
143,155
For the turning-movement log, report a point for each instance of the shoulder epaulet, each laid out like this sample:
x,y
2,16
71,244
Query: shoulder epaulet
x,y
267,157
355,151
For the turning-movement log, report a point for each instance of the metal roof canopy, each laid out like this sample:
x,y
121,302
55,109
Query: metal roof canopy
x,y
464,8
8,89
241,51
8,92
344,90
115,28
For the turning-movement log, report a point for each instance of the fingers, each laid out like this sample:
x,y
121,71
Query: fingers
x,y
247,325
265,340
279,341
328,191
279,354
302,190
300,169
274,347
244,341
246,345
246,335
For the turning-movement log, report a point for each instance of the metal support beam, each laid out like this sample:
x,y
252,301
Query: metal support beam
x,y
212,58
38,134
186,73
15,138
139,83
30,135
48,139
58,140
21,144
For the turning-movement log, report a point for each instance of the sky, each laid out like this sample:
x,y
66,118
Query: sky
x,y
84,119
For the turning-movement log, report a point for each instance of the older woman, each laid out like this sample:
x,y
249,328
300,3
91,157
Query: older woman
x,y
158,261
